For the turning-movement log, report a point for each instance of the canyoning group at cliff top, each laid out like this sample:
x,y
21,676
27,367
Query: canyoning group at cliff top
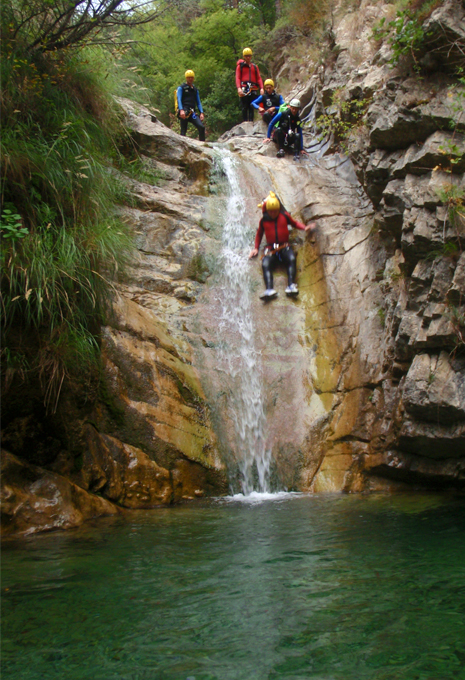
x,y
284,124
285,129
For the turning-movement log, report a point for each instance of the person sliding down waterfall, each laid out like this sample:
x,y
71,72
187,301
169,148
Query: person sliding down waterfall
x,y
274,224
188,99
286,128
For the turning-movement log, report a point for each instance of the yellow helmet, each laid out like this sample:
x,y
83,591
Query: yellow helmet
x,y
263,203
269,82
247,52
189,74
272,202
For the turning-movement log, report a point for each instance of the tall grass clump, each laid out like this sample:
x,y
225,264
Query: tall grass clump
x,y
60,237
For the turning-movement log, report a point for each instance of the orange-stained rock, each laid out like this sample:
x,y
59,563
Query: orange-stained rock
x,y
191,480
34,500
123,473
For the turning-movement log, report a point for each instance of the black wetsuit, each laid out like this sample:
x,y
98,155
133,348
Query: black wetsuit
x,y
188,100
287,257
288,133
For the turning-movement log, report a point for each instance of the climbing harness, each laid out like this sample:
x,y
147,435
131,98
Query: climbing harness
x,y
188,110
275,248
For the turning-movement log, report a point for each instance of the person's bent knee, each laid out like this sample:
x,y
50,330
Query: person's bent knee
x,y
291,256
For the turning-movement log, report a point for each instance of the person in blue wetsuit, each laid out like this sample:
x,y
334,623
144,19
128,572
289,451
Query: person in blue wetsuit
x,y
188,100
270,102
286,130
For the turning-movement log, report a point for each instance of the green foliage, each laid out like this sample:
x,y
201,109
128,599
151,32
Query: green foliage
x,y
217,35
14,360
11,226
381,316
453,197
404,34
140,169
448,249
452,152
267,11
222,103
456,101
59,126
342,118
51,278
457,98
209,39
48,26
457,317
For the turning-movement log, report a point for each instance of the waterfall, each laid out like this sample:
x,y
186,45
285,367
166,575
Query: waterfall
x,y
238,357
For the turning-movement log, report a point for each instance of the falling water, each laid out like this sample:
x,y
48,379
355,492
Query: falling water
x,y
238,357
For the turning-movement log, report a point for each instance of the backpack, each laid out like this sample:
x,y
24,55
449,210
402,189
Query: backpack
x,y
284,107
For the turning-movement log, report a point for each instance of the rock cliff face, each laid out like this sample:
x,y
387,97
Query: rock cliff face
x,y
363,376
408,388
146,438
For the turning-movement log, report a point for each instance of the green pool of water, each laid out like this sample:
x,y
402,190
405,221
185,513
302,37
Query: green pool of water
x,y
323,588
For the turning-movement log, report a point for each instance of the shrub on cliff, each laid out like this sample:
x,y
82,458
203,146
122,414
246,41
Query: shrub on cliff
x,y
60,235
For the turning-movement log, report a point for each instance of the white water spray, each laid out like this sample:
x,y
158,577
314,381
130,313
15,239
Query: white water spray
x,y
238,357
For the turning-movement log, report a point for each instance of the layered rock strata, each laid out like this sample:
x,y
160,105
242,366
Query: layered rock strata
x,y
409,159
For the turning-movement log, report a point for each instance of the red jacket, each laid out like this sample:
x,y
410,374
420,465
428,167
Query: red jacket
x,y
248,74
276,231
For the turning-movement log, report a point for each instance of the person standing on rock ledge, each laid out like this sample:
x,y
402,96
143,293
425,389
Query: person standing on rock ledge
x,y
249,83
274,224
188,100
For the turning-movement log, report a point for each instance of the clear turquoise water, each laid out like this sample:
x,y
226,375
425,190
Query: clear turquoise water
x,y
323,588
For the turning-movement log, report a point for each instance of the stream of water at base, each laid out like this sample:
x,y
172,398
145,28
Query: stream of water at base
x,y
296,588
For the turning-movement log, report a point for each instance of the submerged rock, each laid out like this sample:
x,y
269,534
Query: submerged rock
x,y
34,500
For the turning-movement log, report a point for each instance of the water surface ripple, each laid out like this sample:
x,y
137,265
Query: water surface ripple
x,y
322,588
